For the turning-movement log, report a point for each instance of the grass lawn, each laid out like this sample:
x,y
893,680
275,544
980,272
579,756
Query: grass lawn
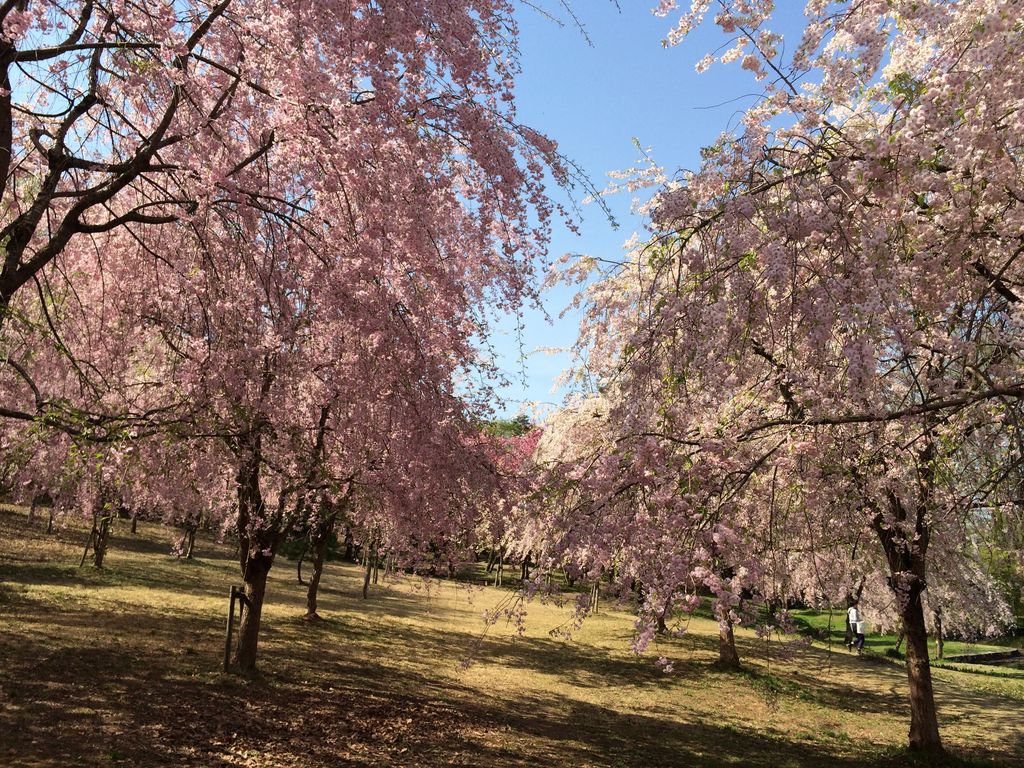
x,y
122,668
834,626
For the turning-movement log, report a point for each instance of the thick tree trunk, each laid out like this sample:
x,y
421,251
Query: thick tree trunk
x,y
906,556
924,720
256,547
255,588
728,656
190,547
662,616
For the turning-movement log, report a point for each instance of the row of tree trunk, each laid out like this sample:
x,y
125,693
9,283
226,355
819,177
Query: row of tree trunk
x,y
257,554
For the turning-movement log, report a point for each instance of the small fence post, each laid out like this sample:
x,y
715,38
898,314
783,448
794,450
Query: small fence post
x,y
230,627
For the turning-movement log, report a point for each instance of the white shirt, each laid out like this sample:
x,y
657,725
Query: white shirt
x,y
853,617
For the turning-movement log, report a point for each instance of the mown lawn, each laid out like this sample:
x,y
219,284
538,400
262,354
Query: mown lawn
x,y
122,668
823,625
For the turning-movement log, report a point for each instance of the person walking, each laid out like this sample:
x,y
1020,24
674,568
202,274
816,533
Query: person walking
x,y
856,624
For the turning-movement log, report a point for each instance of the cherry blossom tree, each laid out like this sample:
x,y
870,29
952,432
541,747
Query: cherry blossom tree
x,y
624,502
301,214
96,96
827,317
119,117
503,511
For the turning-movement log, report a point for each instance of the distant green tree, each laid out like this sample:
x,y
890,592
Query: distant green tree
x,y
516,427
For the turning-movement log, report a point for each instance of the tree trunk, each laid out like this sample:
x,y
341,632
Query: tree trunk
x,y
907,561
298,567
662,614
366,575
31,511
88,545
924,721
939,640
728,657
99,541
499,571
349,544
255,588
101,519
257,544
318,546
135,522
49,523
191,534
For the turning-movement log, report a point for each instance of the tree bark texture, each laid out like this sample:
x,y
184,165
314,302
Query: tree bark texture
x,y
256,550
728,656
254,588
924,719
99,547
905,551
318,546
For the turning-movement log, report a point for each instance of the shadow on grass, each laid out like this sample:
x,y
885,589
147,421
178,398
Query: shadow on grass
x,y
146,695
128,684
93,706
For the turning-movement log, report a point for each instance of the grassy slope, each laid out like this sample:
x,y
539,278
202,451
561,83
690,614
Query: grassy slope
x,y
121,668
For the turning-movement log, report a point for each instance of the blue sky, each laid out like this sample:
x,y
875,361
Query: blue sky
x,y
594,100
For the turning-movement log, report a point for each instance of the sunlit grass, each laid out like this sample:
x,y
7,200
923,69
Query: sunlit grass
x,y
122,667
835,625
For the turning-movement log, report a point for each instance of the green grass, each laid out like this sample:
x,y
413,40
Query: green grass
x,y
825,625
121,667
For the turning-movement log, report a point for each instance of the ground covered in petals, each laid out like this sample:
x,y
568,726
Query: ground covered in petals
x,y
122,668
